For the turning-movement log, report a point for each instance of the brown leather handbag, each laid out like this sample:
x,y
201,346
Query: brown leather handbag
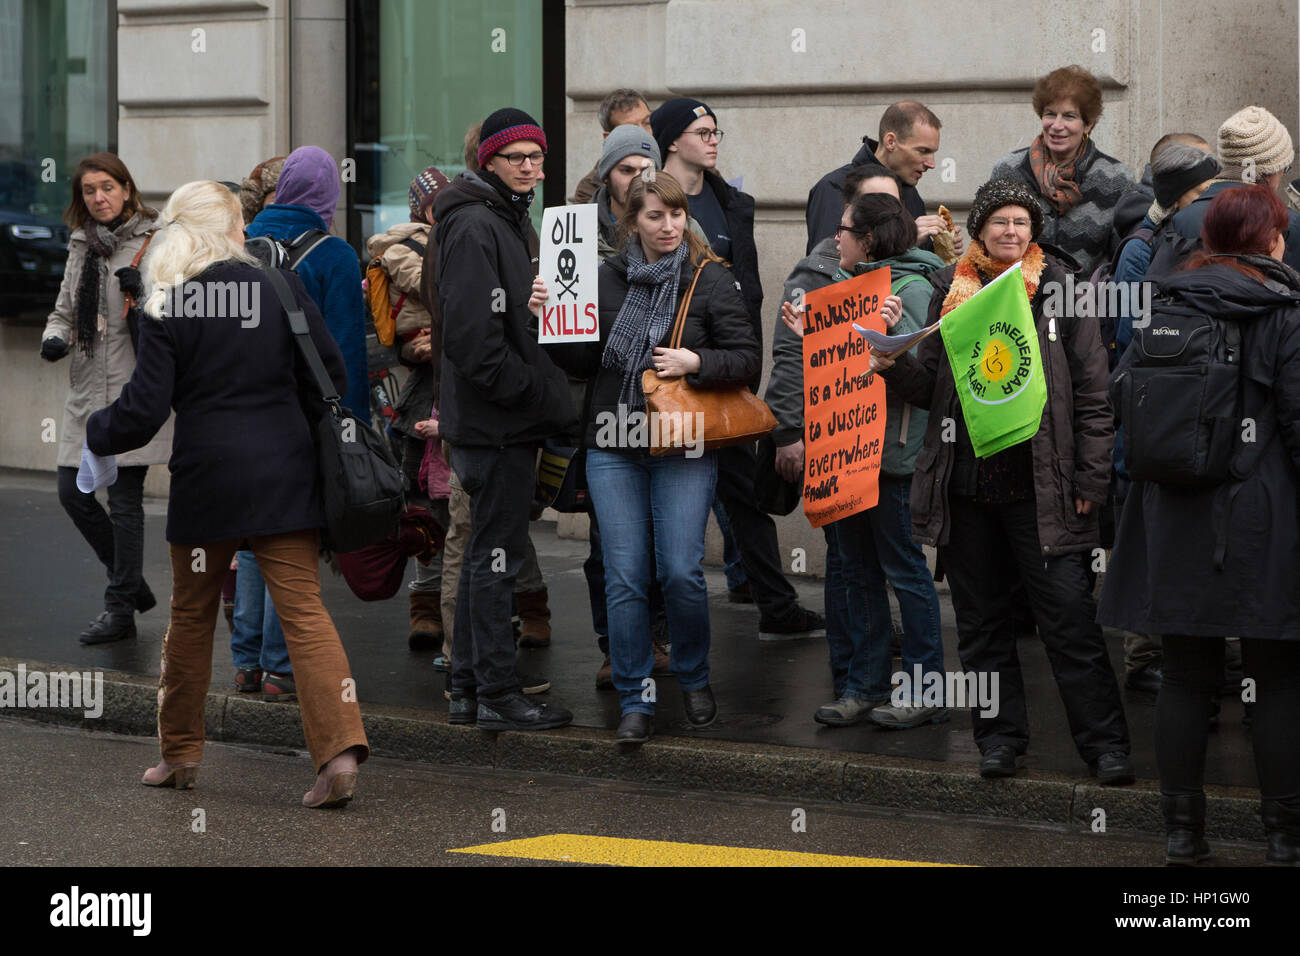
x,y
718,416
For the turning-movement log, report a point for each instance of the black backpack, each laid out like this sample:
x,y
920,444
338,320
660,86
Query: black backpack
x,y
1177,393
272,253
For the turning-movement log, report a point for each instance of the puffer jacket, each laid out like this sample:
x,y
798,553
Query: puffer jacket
x,y
717,328
95,381
405,268
1071,450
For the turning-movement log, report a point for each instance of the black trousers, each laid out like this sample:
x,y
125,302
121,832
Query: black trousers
x,y
500,483
755,534
1193,674
990,546
116,536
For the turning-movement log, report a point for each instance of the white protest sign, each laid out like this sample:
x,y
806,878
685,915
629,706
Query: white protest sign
x,y
568,264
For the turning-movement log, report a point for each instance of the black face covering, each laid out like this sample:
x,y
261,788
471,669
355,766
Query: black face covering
x,y
517,200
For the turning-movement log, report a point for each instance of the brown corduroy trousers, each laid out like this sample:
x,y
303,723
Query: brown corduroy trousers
x,y
331,717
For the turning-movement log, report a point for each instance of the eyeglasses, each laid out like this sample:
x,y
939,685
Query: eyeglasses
x,y
856,232
708,134
517,159
1000,223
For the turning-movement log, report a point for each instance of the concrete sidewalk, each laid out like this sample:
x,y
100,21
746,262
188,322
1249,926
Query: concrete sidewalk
x,y
764,740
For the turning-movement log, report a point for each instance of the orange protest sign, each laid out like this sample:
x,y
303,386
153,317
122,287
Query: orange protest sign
x,y
844,419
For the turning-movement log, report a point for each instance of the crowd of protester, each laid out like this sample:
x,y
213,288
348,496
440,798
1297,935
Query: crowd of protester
x,y
1201,581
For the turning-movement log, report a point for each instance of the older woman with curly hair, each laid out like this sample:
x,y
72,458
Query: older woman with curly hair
x,y
1077,186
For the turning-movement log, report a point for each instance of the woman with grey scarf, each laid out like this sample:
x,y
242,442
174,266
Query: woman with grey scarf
x,y
633,492
94,319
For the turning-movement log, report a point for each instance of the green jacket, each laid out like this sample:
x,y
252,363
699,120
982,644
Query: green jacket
x,y
904,423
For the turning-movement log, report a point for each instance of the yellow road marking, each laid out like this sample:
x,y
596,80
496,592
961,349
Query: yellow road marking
x,y
618,851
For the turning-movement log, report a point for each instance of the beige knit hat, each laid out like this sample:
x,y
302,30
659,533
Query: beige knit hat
x,y
1254,134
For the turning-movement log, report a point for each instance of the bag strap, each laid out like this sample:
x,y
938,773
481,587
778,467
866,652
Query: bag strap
x,y
302,336
129,300
293,258
415,245
685,306
901,281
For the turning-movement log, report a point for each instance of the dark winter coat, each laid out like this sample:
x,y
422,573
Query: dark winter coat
x,y
242,460
1085,232
1187,221
331,274
1071,449
717,329
738,207
1162,577
498,386
826,199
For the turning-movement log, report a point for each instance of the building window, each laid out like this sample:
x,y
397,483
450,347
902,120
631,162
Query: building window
x,y
422,72
57,105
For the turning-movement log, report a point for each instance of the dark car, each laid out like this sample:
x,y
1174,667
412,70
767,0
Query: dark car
x,y
33,246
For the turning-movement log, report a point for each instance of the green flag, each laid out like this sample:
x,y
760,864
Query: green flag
x,y
992,346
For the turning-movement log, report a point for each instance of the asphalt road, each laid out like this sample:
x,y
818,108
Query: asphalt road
x,y
73,798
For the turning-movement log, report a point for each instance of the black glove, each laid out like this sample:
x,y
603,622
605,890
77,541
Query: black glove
x,y
130,282
53,349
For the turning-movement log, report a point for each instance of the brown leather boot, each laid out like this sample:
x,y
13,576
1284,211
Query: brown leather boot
x,y
534,617
426,621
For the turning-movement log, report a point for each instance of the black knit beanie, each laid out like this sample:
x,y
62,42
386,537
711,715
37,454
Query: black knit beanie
x,y
997,193
670,120
506,126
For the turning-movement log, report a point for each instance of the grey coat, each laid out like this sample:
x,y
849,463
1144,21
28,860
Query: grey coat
x,y
95,381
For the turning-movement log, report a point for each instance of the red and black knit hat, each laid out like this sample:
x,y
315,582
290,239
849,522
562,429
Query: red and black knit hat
x,y
504,127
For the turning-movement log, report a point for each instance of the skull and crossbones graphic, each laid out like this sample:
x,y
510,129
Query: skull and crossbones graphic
x,y
567,263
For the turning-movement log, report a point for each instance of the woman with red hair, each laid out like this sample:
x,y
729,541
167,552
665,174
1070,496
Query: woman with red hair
x,y
1196,565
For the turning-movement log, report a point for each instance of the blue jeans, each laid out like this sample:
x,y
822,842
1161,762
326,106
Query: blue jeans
x,y
671,495
876,545
731,566
837,615
257,639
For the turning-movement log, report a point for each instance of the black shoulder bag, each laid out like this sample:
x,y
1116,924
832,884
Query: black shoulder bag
x,y
361,486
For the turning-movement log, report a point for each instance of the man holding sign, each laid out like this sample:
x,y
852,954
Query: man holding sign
x,y
501,395
864,504
1015,493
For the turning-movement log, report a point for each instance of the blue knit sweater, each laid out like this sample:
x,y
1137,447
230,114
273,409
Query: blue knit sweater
x,y
332,276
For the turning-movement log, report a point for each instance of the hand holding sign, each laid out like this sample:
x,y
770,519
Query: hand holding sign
x,y
564,294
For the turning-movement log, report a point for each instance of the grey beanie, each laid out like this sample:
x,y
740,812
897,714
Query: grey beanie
x,y
627,140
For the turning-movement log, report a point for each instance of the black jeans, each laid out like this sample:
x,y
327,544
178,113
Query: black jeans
x,y
755,534
116,536
500,483
990,546
1193,674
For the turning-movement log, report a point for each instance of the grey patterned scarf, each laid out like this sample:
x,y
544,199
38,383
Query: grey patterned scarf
x,y
644,318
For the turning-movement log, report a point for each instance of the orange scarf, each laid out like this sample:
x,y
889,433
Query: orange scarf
x,y
975,269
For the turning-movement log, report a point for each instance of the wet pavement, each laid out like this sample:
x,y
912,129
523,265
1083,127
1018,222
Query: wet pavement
x,y
51,587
